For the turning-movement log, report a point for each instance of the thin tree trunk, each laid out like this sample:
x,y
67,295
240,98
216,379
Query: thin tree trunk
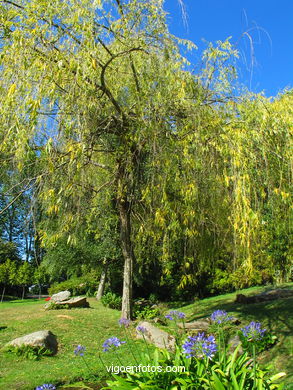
x,y
102,283
23,290
125,237
3,292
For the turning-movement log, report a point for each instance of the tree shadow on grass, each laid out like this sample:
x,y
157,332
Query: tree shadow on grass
x,y
276,314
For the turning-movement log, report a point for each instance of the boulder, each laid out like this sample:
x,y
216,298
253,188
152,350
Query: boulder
x,y
41,339
156,336
61,296
73,302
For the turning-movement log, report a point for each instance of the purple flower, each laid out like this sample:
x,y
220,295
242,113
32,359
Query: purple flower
x,y
253,331
111,343
124,322
46,386
141,329
200,346
79,350
220,316
174,314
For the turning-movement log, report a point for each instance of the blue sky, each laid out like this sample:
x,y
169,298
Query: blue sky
x,y
266,61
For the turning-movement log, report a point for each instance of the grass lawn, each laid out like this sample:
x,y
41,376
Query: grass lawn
x,y
276,316
88,327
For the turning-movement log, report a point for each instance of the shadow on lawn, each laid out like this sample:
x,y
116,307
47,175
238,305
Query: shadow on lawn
x,y
277,314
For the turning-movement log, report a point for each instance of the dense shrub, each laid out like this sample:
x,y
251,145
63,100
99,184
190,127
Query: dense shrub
x,y
145,309
85,285
112,301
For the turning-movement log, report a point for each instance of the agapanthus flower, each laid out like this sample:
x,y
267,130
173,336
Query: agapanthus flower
x,y
175,314
46,386
253,331
200,346
141,329
124,322
79,350
111,343
220,316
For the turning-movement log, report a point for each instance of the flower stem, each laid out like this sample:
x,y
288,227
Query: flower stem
x,y
129,345
146,343
254,365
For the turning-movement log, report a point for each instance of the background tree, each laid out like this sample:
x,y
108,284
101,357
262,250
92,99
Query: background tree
x,y
24,276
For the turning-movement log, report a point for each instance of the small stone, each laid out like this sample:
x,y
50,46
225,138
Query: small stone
x,y
41,339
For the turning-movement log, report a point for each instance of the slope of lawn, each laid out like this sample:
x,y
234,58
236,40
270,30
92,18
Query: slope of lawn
x,y
276,316
88,327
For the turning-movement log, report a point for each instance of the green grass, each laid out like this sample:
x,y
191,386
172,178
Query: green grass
x,y
276,316
88,327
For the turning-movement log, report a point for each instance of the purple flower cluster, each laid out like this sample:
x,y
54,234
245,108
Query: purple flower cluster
x,y
79,350
141,329
253,331
111,343
124,322
174,314
46,386
220,316
200,346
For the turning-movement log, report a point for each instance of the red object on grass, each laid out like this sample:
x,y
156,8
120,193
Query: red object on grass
x,y
48,299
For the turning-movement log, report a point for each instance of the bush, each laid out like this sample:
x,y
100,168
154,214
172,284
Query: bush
x,y
112,301
28,352
145,309
85,285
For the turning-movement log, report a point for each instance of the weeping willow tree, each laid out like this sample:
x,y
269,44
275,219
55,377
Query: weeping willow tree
x,y
96,97
90,88
221,217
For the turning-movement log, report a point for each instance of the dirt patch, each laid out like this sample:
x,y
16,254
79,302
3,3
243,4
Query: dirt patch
x,y
65,316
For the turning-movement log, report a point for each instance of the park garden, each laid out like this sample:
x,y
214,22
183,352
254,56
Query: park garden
x,y
156,187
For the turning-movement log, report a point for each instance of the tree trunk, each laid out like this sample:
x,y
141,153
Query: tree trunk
x,y
125,238
3,292
23,291
102,281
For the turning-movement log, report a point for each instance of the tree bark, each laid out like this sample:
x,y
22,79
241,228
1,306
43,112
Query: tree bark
x,y
3,292
127,250
102,283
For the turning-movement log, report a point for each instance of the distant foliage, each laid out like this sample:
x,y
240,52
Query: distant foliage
x,y
84,285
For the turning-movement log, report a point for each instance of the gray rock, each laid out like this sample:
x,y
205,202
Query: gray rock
x,y
73,302
41,339
233,344
199,325
156,336
61,296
